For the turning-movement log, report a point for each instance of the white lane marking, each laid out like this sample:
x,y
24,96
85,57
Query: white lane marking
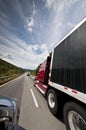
x,y
34,98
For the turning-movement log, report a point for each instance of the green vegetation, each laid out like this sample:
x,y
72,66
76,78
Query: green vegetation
x,y
4,80
7,69
34,72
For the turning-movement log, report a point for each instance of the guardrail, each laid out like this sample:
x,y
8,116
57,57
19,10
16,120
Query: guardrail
x,y
5,77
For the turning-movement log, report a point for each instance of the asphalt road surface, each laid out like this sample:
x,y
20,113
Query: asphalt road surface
x,y
34,113
13,88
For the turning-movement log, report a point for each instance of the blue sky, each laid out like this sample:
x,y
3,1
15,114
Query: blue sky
x,y
30,28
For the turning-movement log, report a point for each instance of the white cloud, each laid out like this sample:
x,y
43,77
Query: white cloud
x,y
64,17
56,5
33,58
34,9
49,3
61,6
30,24
21,54
31,21
30,29
35,47
16,51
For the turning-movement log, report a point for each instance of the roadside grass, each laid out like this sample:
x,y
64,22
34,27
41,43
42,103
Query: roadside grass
x,y
2,81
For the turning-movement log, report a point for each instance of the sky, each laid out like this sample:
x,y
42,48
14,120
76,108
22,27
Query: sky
x,y
30,28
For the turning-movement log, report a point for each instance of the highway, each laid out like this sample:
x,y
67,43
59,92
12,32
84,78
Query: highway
x,y
34,112
13,88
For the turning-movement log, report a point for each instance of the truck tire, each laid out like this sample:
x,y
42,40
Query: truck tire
x,y
74,116
52,100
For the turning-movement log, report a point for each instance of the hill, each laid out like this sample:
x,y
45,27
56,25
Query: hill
x,y
34,72
7,69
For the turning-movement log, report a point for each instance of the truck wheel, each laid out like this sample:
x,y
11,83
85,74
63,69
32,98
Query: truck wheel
x,y
52,101
74,116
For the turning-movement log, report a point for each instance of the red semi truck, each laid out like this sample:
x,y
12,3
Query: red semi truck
x,y
62,78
